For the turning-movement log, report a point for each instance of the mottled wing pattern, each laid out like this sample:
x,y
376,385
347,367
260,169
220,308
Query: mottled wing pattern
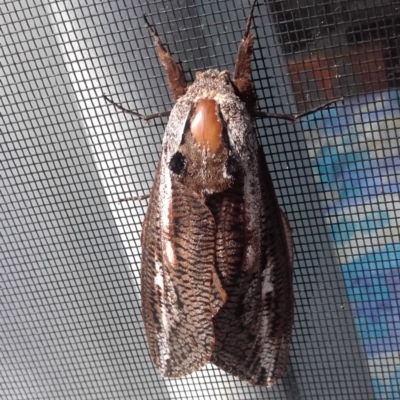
x,y
253,328
180,288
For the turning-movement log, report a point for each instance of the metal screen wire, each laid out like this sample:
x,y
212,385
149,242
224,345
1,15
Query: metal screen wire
x,y
70,319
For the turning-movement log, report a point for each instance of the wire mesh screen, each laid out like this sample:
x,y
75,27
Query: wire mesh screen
x,y
71,324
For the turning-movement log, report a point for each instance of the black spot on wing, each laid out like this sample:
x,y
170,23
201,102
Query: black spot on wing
x,y
177,163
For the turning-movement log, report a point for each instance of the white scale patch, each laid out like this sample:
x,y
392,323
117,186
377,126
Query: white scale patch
x,y
163,335
166,199
163,340
174,131
170,251
159,280
252,195
165,196
267,285
214,95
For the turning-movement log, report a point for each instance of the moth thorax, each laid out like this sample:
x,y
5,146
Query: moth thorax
x,y
206,128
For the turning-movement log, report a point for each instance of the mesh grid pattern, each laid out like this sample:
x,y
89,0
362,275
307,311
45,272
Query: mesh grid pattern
x,y
70,321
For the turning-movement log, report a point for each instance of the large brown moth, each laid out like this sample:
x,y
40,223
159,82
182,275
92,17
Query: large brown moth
x,y
217,251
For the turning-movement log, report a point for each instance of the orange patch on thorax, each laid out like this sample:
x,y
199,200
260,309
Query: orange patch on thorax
x,y
205,127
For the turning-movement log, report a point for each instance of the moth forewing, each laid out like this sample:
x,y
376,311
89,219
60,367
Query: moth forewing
x,y
216,249
253,328
180,339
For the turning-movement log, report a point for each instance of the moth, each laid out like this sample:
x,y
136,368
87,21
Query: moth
x,y
217,251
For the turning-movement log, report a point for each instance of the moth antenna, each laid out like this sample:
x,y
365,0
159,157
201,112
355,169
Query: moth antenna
x,y
176,78
143,117
250,19
294,118
242,74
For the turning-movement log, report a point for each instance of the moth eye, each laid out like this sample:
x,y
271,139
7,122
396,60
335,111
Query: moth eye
x,y
177,163
233,166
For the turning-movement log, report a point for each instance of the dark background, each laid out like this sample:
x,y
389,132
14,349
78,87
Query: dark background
x,y
70,322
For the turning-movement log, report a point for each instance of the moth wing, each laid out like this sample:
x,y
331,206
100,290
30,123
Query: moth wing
x,y
180,289
253,328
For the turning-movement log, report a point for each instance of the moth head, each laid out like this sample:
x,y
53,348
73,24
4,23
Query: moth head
x,y
213,74
205,161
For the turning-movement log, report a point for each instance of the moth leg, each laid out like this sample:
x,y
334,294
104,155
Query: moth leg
x,y
133,198
136,114
175,76
294,118
242,74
